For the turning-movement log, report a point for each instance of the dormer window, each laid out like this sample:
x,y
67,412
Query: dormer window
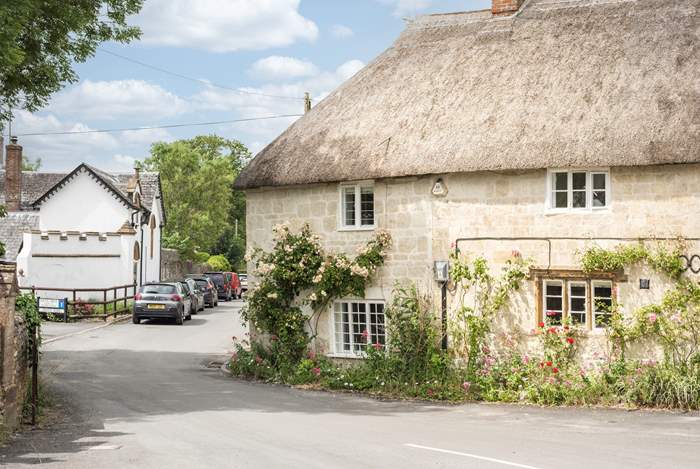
x,y
578,190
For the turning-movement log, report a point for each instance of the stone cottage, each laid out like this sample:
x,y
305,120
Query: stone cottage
x,y
82,229
543,126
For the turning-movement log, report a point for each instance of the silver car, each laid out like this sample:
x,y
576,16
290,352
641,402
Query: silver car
x,y
162,301
198,295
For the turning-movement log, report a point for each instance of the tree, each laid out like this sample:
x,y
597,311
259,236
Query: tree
x,y
40,40
197,177
29,165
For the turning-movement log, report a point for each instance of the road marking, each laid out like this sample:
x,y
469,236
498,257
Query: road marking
x,y
475,456
105,447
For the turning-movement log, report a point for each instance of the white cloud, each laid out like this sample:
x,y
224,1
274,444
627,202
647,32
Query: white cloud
x,y
120,163
264,131
276,67
341,32
407,7
225,25
106,100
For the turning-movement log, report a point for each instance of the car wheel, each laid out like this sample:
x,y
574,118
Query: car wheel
x,y
188,317
179,320
135,320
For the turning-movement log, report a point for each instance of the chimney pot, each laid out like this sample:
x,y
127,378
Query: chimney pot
x,y
13,176
505,7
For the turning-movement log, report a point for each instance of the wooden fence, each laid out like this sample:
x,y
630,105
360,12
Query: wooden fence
x,y
116,299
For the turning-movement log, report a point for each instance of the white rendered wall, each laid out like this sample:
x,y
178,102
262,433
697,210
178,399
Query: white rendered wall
x,y
83,205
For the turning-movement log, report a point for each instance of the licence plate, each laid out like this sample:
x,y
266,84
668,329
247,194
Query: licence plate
x,y
156,306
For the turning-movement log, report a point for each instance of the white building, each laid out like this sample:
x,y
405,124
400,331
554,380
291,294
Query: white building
x,y
82,229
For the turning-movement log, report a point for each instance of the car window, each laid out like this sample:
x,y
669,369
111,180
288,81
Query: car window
x,y
185,288
202,283
158,289
218,279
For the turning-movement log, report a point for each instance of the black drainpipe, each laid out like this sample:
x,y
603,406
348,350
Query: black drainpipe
x,y
444,315
141,253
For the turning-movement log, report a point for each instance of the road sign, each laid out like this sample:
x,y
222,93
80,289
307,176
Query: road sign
x,y
58,306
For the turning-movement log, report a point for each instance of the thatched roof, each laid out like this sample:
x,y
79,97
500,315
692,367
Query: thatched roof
x,y
562,83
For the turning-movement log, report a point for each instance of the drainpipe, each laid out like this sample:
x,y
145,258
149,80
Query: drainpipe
x,y
141,254
444,315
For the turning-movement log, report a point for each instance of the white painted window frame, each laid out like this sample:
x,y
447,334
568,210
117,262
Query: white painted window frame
x,y
334,331
357,187
594,312
586,312
561,283
550,200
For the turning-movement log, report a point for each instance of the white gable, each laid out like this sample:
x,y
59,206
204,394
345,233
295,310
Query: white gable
x,y
83,205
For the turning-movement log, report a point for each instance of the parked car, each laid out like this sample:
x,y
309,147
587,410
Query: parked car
x,y
244,282
222,280
198,293
235,285
162,300
211,298
194,307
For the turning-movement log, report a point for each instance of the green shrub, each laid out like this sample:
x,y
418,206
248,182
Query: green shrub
x,y
219,263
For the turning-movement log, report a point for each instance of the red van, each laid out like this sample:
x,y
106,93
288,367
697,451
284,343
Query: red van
x,y
236,291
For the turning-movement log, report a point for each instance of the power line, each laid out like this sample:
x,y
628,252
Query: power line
x,y
196,80
154,127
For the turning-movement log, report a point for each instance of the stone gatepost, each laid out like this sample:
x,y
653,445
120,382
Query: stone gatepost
x,y
13,359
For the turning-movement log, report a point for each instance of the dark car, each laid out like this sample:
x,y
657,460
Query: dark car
x,y
198,294
222,280
162,301
211,298
235,285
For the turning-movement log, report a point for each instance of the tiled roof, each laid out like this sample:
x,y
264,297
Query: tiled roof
x,y
12,228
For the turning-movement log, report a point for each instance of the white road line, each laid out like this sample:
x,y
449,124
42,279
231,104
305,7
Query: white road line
x,y
475,456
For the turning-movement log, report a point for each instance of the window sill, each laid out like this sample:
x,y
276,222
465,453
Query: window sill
x,y
577,211
357,228
346,355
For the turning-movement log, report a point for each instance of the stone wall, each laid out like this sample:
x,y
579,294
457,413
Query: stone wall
x,y
13,352
173,268
653,201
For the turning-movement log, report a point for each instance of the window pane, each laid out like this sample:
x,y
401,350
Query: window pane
x,y
561,199
578,181
602,291
602,304
377,331
553,302
579,199
599,181
577,303
561,181
554,289
349,206
578,290
367,206
599,199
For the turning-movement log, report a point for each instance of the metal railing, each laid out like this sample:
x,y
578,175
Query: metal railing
x,y
116,299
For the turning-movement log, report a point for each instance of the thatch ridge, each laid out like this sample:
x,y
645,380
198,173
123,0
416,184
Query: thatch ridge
x,y
565,83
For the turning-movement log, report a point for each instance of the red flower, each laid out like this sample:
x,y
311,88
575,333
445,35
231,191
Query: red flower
x,y
541,324
377,346
555,370
570,340
317,371
430,392
566,328
549,363
552,330
541,364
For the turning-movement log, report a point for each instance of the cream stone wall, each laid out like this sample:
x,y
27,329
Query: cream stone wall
x,y
646,202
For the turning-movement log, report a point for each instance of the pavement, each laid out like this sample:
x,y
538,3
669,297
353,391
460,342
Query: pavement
x,y
144,396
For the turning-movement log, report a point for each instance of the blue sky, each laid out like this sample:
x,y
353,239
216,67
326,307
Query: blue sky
x,y
276,47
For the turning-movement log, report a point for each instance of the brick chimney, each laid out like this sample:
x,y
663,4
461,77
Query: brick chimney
x,y
505,7
13,176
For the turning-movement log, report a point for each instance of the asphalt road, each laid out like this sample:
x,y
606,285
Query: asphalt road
x,y
143,397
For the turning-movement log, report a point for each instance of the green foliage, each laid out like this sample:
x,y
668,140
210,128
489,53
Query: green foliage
x,y
26,304
201,257
29,165
296,271
219,263
597,259
197,177
41,40
472,324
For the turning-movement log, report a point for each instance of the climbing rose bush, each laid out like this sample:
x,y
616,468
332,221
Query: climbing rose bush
x,y
297,272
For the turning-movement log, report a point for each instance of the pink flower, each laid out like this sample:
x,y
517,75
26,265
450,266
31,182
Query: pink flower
x,y
365,334
526,359
377,346
652,318
430,392
466,385
453,245
317,371
515,253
